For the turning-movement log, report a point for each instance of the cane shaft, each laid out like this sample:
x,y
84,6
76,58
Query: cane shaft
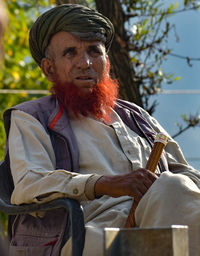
x,y
155,156
159,145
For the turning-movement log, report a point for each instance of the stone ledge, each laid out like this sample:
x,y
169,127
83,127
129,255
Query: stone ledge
x,y
165,241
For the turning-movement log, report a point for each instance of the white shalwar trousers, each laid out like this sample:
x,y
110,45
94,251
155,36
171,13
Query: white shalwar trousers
x,y
173,199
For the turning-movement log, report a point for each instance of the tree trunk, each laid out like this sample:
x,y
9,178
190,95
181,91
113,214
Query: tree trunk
x,y
122,68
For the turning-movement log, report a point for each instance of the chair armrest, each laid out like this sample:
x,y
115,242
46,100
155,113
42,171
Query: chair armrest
x,y
12,209
72,207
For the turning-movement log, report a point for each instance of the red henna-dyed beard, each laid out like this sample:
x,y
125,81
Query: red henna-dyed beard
x,y
98,102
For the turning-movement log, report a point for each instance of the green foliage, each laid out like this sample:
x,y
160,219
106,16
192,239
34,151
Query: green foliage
x,y
19,70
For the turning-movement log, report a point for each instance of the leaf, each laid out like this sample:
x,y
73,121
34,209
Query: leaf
x,y
177,78
150,74
176,5
16,75
170,8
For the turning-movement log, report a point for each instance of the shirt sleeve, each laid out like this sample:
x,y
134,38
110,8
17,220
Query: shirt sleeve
x,y
175,158
32,162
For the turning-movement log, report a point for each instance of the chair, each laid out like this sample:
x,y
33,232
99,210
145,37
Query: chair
x,y
72,207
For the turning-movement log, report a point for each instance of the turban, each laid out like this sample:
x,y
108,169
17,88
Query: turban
x,y
76,19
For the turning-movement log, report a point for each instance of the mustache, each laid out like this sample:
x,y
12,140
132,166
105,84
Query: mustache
x,y
85,73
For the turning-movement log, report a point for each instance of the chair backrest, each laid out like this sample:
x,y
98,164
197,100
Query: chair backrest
x,y
6,182
6,188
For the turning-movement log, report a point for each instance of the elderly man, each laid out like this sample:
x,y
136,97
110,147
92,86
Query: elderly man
x,y
84,143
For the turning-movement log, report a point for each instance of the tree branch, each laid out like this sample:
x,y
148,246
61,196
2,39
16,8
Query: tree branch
x,y
192,121
128,15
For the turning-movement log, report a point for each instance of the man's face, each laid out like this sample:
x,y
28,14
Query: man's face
x,y
81,63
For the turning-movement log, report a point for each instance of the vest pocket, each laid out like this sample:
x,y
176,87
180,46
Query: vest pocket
x,y
30,251
25,245
35,236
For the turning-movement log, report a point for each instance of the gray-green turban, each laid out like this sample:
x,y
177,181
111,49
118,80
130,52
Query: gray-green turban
x,y
79,20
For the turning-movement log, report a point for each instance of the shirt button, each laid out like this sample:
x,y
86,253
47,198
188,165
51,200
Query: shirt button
x,y
75,191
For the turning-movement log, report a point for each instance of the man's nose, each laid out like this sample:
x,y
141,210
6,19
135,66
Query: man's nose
x,y
84,61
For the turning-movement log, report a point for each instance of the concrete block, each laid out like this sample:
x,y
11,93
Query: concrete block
x,y
194,240
165,241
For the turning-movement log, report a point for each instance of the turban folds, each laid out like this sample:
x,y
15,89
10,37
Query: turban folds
x,y
73,18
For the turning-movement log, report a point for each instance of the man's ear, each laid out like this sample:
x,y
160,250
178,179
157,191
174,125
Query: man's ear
x,y
107,63
48,69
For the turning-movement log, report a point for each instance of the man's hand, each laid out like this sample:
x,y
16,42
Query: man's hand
x,y
133,184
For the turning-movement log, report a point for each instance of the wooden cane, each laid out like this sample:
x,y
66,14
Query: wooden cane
x,y
159,144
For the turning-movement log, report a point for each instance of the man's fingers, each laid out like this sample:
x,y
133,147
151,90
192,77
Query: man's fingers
x,y
144,182
152,176
137,197
147,184
143,188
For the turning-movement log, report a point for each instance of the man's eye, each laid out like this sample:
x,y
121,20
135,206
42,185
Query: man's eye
x,y
95,50
69,52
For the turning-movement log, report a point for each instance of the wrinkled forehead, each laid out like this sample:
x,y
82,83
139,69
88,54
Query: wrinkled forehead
x,y
90,36
71,37
63,41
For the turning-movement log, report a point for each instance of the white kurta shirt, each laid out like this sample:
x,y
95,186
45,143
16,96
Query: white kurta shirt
x,y
104,149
